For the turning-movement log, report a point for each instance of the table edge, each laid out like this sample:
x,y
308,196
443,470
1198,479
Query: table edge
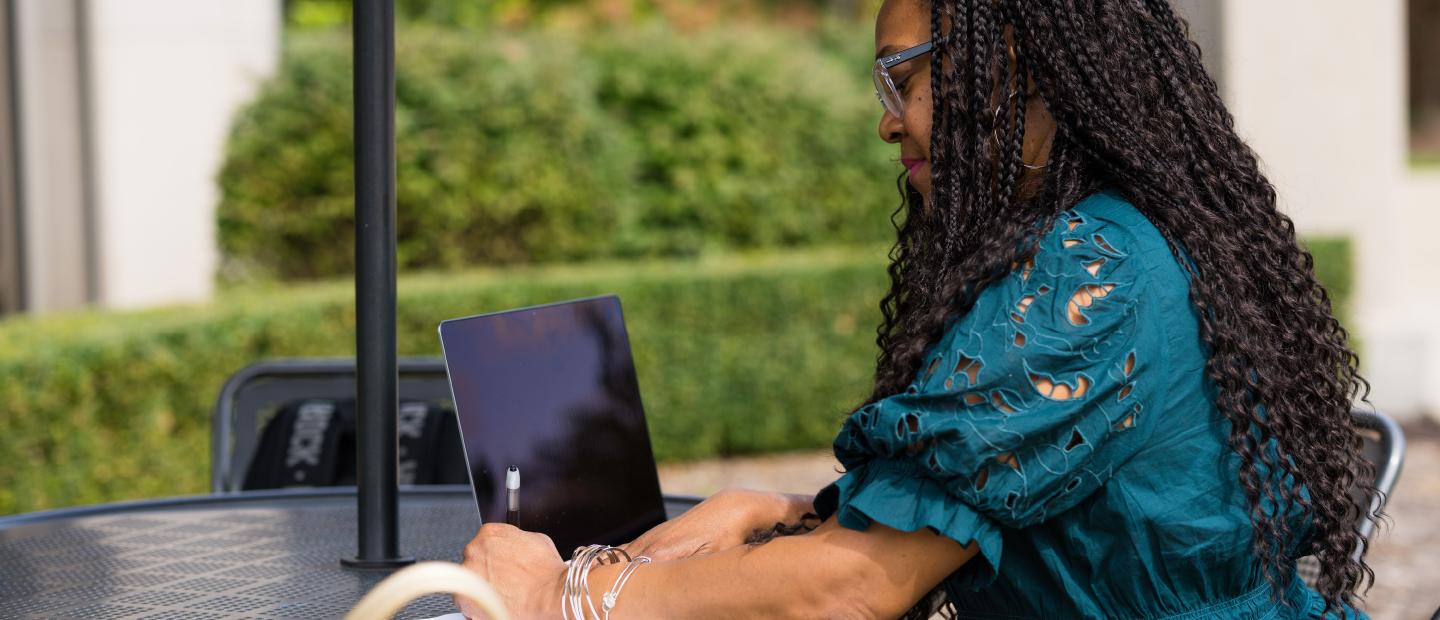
x,y
220,499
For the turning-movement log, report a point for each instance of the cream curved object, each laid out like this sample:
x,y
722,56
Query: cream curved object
x,y
397,590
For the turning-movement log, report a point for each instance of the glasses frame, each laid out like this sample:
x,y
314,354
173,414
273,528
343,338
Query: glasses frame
x,y
885,86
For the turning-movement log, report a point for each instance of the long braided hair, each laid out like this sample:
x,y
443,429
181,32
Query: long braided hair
x,y
1135,110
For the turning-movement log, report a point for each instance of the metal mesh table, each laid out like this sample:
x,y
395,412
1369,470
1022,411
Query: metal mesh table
x,y
271,554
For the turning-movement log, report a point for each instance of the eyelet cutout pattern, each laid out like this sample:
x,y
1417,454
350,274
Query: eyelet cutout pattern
x,y
998,399
970,368
1083,298
1060,390
935,363
909,422
1129,421
1008,459
1104,245
1076,439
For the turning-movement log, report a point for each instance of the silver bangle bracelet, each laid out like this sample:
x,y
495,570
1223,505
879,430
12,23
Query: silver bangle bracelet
x,y
608,602
575,598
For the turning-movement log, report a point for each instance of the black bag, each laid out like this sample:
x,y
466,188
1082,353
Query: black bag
x,y
299,446
312,443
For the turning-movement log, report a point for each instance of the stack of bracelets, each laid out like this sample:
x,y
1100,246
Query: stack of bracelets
x,y
576,597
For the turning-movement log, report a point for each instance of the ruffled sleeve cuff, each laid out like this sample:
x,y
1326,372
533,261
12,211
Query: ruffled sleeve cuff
x,y
898,494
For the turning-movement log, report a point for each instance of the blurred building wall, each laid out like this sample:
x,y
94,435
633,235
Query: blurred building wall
x,y
124,107
1419,222
10,283
1318,89
52,205
168,77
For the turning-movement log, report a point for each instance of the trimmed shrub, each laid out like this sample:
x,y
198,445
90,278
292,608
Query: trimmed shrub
x,y
1335,268
741,355
504,158
746,138
524,147
315,14
736,355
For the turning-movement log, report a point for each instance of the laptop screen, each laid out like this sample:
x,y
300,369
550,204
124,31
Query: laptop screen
x,y
552,390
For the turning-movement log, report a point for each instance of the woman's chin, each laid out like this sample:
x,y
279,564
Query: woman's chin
x,y
922,187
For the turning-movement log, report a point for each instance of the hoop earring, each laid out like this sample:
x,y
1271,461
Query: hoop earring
x,y
995,127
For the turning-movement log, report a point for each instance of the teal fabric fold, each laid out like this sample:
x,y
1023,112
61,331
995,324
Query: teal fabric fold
x,y
896,494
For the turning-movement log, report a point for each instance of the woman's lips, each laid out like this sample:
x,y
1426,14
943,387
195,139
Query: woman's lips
x,y
911,165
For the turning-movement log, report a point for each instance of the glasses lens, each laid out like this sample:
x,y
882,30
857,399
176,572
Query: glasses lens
x,y
885,90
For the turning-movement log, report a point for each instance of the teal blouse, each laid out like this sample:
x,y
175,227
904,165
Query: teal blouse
x,y
1064,425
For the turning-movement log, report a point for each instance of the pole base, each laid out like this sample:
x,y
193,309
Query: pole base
x,y
381,564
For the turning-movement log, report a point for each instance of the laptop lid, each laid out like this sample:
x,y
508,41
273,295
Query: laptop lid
x,y
552,390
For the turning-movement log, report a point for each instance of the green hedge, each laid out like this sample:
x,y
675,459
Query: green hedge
x,y
316,14
529,147
1335,268
736,355
741,355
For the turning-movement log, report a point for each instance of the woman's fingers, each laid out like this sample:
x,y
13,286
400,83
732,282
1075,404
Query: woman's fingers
x,y
642,545
658,551
522,566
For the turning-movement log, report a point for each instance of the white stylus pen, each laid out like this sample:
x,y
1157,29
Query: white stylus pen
x,y
512,496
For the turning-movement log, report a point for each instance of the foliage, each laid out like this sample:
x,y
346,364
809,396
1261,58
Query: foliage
x,y
504,158
1426,161
744,354
736,355
748,139
321,14
523,147
1335,268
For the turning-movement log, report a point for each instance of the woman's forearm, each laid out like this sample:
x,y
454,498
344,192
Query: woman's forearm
x,y
746,581
832,572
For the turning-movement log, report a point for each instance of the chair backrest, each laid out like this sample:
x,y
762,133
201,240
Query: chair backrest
x,y
1385,448
254,394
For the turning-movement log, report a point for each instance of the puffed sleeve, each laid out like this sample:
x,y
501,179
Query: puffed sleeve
x,y
1024,407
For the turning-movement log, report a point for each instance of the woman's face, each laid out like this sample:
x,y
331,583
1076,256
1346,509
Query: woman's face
x,y
903,24
906,23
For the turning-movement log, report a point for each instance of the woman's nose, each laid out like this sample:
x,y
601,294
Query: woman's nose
x,y
891,129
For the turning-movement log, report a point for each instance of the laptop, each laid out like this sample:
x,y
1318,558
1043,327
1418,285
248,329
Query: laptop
x,y
552,390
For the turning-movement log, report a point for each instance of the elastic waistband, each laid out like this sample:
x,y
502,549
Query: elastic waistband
x,y
1255,605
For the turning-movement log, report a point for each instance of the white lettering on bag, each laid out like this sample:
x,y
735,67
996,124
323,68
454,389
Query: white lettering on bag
x,y
412,420
410,424
308,437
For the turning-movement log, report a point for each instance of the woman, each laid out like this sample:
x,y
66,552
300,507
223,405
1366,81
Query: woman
x,y
1109,384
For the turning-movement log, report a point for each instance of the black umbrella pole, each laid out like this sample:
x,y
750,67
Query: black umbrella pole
x,y
377,386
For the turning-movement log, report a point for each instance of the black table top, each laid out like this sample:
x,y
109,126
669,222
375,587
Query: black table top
x,y
271,554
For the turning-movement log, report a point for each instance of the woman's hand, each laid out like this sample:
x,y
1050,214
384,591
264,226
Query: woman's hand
x,y
522,566
720,522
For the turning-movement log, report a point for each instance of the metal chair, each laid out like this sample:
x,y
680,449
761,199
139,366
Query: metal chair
x,y
252,395
1384,446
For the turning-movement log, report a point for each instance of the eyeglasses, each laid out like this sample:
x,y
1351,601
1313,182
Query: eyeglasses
x,y
885,89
